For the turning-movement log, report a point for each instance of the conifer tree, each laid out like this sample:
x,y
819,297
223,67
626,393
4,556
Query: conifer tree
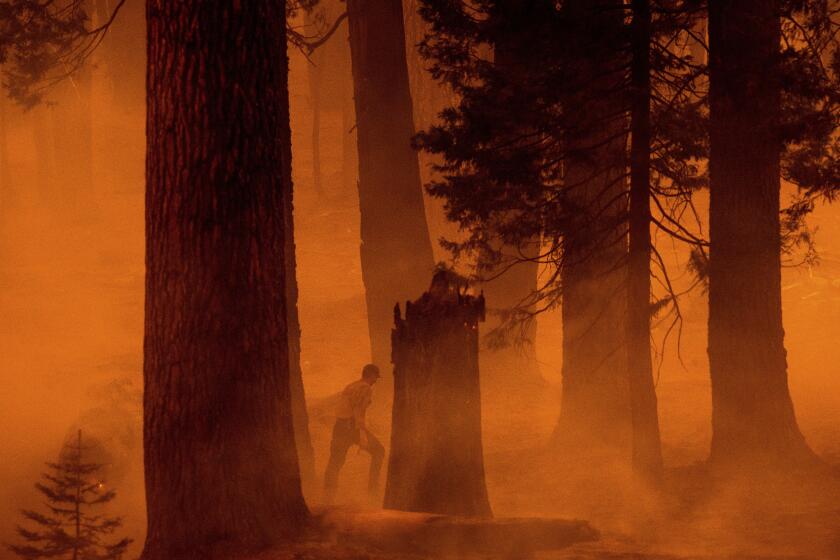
x,y
539,151
73,527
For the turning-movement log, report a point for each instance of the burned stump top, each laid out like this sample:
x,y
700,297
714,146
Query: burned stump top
x,y
448,298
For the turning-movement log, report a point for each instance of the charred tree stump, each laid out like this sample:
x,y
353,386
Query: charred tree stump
x,y
436,463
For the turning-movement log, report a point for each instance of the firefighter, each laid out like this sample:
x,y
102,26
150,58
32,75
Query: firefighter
x,y
350,430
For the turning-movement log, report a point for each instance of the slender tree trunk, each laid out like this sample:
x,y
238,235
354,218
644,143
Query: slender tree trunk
x,y
123,51
43,152
316,83
647,449
349,145
5,172
514,365
752,412
396,251
221,464
77,513
72,132
595,407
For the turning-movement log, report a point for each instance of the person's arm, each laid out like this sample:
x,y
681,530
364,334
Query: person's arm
x,y
359,416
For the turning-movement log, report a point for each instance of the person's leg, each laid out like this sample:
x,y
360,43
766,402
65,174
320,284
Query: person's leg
x,y
377,455
338,453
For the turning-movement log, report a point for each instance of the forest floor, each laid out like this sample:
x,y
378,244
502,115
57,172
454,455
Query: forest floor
x,y
694,517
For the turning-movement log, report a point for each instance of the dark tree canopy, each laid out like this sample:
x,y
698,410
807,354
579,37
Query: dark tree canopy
x,y
43,43
505,143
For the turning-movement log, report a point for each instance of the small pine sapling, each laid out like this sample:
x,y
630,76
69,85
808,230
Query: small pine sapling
x,y
71,528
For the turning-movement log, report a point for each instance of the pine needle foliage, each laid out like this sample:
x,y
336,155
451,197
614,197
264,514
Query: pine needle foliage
x,y
71,526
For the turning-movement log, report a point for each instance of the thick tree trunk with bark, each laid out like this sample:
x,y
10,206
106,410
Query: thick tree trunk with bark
x,y
221,465
595,408
647,448
437,463
396,251
752,413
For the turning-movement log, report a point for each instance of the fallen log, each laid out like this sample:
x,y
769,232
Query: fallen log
x,y
391,531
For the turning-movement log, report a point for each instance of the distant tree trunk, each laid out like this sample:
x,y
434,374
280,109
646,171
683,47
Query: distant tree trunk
x,y
515,364
752,412
595,406
647,449
72,132
349,145
396,251
5,172
698,46
316,78
436,463
221,465
123,51
44,152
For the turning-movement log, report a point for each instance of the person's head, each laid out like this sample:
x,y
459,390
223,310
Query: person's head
x,y
370,373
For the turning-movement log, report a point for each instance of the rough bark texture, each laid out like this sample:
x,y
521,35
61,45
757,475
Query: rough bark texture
x,y
752,413
647,448
595,407
437,463
396,251
221,465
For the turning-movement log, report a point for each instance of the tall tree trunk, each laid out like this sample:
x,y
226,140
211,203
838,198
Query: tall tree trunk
x,y
349,145
316,64
221,465
44,153
72,132
752,412
396,251
123,53
515,364
77,503
595,408
5,172
647,449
